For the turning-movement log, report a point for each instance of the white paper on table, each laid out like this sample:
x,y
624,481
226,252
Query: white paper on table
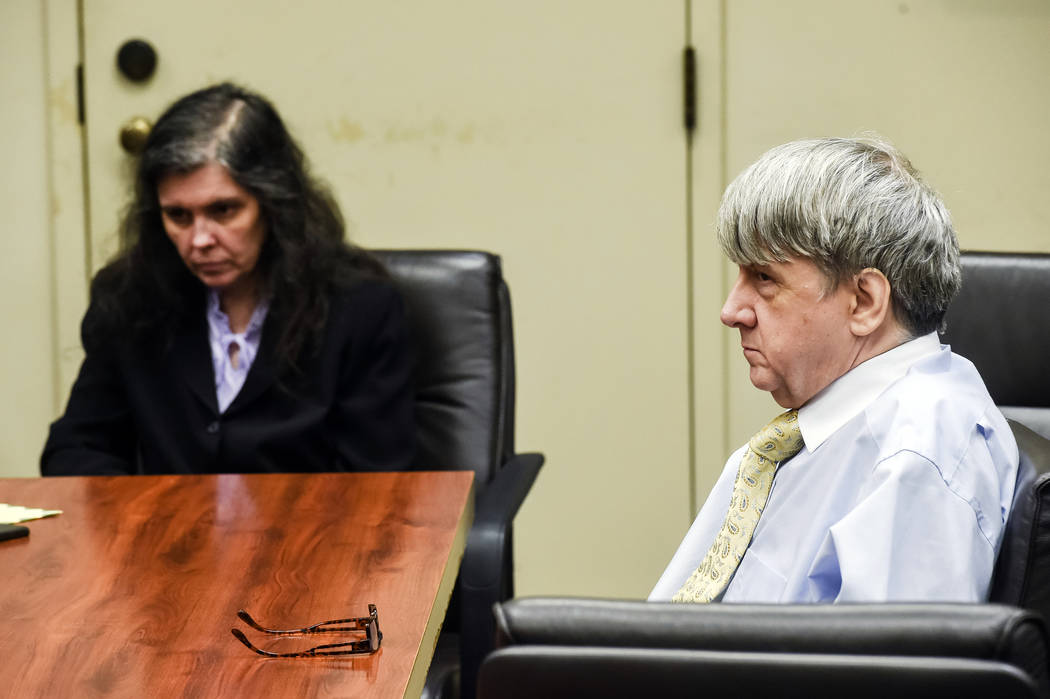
x,y
13,514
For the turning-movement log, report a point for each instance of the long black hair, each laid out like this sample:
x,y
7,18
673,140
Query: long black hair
x,y
147,289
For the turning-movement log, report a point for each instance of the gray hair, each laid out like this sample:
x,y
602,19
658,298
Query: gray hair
x,y
847,204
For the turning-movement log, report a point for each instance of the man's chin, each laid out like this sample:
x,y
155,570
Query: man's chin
x,y
787,402
761,379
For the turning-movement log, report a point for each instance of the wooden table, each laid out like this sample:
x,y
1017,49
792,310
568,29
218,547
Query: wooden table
x,y
133,590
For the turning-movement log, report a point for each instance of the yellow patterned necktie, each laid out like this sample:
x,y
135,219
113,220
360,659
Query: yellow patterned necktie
x,y
775,443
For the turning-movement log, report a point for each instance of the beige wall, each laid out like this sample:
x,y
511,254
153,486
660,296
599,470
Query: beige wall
x,y
42,236
26,301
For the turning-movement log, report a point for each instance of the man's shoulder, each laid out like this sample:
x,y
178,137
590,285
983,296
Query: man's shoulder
x,y
935,410
941,385
940,378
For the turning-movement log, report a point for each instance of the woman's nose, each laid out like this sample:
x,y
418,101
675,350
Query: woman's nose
x,y
202,235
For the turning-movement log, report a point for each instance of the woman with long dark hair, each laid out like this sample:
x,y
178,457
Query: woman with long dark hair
x,y
236,331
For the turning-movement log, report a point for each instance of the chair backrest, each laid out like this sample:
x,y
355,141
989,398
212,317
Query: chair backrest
x,y
999,322
565,647
458,308
1022,571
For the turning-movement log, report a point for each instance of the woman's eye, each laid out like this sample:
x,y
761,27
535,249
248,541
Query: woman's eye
x,y
179,217
223,209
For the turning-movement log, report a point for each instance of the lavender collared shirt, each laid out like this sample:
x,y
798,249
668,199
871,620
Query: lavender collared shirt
x,y
228,378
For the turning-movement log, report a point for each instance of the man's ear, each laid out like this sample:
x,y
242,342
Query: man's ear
x,y
871,302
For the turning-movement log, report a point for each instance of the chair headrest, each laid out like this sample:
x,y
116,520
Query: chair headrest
x,y
997,321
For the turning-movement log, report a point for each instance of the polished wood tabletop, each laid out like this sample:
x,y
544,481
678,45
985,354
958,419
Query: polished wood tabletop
x,y
133,590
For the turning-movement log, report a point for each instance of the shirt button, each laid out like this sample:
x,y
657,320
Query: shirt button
x,y
213,428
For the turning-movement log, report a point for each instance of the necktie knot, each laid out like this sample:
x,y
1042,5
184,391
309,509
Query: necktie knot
x,y
780,439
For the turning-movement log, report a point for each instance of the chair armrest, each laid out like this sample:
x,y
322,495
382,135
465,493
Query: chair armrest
x,y
912,628
483,574
955,630
494,513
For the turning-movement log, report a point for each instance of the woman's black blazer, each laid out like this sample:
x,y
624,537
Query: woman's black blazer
x,y
350,408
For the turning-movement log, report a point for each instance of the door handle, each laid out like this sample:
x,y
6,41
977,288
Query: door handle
x,y
133,134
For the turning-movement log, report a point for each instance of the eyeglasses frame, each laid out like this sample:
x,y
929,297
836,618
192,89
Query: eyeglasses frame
x,y
369,624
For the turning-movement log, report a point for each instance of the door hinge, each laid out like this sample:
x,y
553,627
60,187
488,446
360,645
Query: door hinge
x,y
689,88
80,93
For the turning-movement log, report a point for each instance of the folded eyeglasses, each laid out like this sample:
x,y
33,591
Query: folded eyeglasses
x,y
368,624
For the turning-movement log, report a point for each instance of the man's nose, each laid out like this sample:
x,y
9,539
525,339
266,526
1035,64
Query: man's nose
x,y
737,311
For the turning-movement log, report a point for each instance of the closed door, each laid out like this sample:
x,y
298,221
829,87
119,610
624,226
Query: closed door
x,y
547,132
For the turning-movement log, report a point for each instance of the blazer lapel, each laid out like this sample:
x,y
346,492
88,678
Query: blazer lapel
x,y
191,356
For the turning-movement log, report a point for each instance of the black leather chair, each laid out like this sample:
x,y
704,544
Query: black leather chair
x,y
1022,571
561,648
574,647
458,307
999,322
556,648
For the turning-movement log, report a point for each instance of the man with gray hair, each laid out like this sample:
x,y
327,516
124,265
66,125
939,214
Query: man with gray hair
x,y
891,475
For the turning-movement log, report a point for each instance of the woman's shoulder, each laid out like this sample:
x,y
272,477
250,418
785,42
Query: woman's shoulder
x,y
367,295
125,307
111,279
106,316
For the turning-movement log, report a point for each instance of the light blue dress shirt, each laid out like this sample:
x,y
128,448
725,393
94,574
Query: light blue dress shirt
x,y
899,494
229,379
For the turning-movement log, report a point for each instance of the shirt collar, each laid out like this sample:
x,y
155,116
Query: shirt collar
x,y
845,397
220,322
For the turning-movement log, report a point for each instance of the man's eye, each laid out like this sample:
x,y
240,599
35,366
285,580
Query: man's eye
x,y
763,277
